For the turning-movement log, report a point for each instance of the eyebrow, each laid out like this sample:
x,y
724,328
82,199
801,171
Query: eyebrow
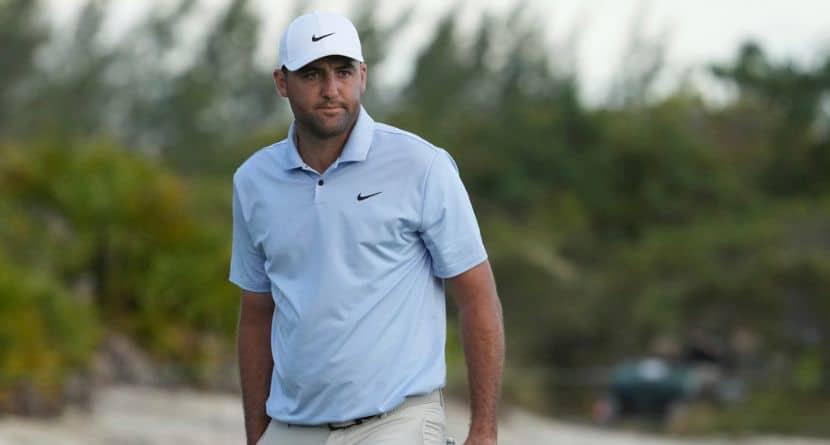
x,y
345,64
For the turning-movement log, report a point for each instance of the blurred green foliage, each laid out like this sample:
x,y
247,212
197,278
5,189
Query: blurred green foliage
x,y
45,334
112,224
608,227
766,411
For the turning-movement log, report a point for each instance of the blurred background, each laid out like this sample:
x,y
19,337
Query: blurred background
x,y
652,181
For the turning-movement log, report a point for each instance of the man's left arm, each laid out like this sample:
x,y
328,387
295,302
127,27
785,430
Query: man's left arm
x,y
482,335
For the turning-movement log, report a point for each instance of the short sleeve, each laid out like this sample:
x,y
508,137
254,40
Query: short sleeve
x,y
448,224
247,260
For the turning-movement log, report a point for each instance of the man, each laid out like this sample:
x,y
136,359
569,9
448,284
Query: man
x,y
344,234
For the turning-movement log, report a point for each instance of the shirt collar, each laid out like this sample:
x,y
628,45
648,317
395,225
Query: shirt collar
x,y
355,150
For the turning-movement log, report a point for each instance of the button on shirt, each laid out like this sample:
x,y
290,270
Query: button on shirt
x,y
354,258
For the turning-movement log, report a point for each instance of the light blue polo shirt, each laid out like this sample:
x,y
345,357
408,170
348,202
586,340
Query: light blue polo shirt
x,y
355,259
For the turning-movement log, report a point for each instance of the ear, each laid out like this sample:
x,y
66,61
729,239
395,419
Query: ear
x,y
280,82
362,77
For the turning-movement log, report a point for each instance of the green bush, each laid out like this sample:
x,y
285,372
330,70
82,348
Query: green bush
x,y
46,334
153,257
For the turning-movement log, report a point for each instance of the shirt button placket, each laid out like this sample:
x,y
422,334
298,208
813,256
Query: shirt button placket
x,y
318,190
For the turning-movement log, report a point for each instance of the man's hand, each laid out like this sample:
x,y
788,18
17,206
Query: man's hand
x,y
482,335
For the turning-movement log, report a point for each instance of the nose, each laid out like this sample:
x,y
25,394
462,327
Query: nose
x,y
330,87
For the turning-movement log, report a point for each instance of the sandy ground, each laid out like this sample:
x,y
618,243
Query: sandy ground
x,y
126,415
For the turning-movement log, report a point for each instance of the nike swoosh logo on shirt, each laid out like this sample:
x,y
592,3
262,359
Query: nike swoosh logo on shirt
x,y
360,197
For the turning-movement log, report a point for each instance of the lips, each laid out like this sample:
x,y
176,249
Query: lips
x,y
330,112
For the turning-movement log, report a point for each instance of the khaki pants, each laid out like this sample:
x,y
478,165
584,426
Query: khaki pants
x,y
418,421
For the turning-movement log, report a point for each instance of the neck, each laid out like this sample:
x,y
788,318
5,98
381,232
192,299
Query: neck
x,y
319,153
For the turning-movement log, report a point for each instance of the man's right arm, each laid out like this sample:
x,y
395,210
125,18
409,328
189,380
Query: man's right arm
x,y
255,361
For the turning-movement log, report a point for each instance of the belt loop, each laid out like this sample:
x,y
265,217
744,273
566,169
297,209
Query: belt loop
x,y
441,393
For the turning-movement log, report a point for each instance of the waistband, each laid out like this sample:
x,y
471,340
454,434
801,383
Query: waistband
x,y
435,396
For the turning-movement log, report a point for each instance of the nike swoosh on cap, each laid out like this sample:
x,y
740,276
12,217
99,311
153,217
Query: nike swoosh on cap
x,y
315,38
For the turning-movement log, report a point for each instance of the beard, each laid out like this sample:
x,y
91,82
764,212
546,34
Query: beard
x,y
323,128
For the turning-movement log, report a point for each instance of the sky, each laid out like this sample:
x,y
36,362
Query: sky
x,y
694,32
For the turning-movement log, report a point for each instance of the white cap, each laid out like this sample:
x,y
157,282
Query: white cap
x,y
315,35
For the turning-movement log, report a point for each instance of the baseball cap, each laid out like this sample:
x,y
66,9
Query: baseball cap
x,y
315,35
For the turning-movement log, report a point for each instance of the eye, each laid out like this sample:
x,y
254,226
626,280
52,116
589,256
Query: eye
x,y
310,75
344,73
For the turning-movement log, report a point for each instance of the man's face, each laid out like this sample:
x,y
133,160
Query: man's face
x,y
325,94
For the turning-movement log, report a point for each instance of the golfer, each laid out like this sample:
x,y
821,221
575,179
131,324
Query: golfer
x,y
344,236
